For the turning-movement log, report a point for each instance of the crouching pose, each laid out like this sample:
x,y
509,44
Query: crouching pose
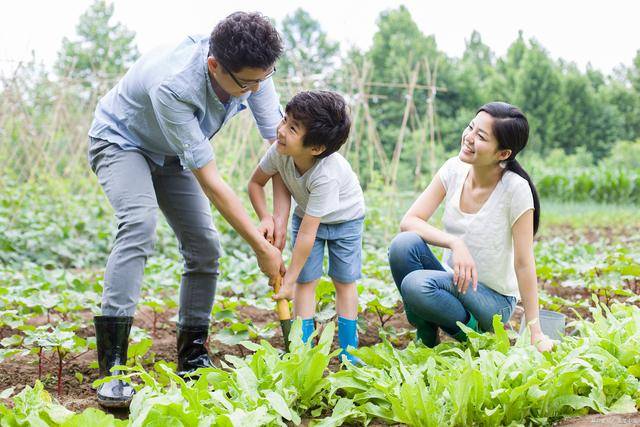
x,y
490,216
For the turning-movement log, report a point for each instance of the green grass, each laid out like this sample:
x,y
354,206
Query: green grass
x,y
589,214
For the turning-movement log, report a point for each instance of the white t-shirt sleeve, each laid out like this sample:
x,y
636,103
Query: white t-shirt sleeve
x,y
521,200
270,161
447,173
324,196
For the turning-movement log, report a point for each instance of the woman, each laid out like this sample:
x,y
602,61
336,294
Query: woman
x,y
491,214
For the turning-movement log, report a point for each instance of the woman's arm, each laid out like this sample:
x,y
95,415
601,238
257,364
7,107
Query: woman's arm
x,y
525,266
416,220
417,217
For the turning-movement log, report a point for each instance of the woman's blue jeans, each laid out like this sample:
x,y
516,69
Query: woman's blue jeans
x,y
430,297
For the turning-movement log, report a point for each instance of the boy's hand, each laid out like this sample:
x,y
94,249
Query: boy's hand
x,y
287,289
266,228
280,232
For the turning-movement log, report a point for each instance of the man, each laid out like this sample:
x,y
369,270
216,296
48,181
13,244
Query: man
x,y
149,147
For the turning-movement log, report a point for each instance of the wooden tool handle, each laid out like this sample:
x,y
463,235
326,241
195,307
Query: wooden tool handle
x,y
283,304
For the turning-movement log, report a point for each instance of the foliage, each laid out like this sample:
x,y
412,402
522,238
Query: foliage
x,y
308,51
485,382
101,48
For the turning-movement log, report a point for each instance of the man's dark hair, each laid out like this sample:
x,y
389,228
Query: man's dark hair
x,y
245,40
325,119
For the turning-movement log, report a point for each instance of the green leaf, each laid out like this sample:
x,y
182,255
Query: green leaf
x,y
624,405
6,393
278,403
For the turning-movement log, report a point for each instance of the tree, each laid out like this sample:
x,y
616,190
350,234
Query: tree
x,y
633,73
581,119
478,57
468,82
308,51
506,81
100,49
398,47
538,92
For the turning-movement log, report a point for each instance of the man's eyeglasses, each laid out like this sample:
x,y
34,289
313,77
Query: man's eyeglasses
x,y
244,84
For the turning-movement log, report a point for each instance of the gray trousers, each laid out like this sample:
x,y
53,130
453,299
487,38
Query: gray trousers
x,y
136,187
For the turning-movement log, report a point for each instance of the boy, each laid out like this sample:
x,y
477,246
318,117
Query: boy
x,y
330,207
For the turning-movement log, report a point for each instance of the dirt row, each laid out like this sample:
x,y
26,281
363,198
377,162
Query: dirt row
x,y
78,395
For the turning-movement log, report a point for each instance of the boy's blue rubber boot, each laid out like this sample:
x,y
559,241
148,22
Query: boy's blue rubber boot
x,y
308,326
348,336
471,323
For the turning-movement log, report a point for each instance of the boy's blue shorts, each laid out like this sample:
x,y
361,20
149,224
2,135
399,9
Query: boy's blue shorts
x,y
344,241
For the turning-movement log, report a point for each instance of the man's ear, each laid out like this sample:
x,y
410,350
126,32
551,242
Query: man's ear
x,y
213,65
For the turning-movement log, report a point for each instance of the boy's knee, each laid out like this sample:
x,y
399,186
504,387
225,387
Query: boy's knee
x,y
344,287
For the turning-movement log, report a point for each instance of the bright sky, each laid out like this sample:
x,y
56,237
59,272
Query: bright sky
x,y
603,33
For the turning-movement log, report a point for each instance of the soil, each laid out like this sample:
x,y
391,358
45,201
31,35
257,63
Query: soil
x,y
610,420
78,395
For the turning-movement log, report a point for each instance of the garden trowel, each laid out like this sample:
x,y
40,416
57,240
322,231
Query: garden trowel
x,y
282,307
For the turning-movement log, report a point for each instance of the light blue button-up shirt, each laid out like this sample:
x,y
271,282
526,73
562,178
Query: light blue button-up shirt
x,y
165,106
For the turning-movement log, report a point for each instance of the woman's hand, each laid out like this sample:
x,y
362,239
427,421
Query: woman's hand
x,y
464,267
541,341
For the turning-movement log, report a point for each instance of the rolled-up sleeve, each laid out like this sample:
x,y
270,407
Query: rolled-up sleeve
x,y
180,127
266,109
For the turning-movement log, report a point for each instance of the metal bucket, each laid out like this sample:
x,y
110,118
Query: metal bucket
x,y
551,322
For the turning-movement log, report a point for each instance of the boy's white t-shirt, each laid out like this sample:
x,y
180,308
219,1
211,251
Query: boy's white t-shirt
x,y
486,233
329,189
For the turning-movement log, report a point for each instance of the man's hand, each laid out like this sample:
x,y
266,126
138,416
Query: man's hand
x,y
270,260
230,206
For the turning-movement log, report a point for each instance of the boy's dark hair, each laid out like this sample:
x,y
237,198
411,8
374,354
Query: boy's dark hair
x,y
245,40
325,119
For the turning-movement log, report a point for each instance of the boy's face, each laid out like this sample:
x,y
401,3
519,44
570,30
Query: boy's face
x,y
290,135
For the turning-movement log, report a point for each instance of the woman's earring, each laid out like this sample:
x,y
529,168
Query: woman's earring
x,y
503,164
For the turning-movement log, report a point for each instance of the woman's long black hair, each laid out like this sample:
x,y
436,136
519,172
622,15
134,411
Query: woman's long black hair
x,y
511,129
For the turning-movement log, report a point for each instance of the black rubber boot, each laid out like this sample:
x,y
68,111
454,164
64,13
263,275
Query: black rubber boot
x,y
112,341
192,353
